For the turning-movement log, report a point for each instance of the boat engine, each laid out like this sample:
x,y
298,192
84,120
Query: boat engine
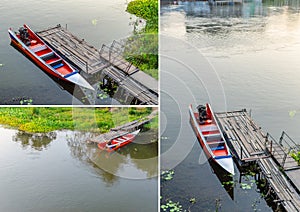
x,y
24,35
202,113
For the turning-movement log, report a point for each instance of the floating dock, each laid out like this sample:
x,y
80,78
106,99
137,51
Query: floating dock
x,y
108,62
123,129
250,144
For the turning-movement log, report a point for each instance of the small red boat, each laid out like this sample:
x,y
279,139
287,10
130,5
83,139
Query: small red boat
x,y
118,142
43,56
210,137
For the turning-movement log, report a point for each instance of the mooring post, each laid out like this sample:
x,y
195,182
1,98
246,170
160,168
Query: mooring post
x,y
271,146
66,26
241,153
266,141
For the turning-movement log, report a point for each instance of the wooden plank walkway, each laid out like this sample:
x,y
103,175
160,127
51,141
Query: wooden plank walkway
x,y
113,55
84,56
293,176
123,129
281,154
286,193
134,88
244,135
108,61
250,144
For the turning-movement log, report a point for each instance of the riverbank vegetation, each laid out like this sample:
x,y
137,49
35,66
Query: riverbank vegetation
x,y
47,119
142,49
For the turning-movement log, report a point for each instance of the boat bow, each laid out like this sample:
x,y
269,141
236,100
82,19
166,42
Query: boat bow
x,y
226,162
77,79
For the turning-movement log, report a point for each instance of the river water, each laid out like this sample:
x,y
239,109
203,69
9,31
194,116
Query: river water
x,y
235,57
98,22
57,172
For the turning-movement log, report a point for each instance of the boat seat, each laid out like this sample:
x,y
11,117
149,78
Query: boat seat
x,y
208,128
216,142
39,48
211,137
58,66
217,148
53,63
47,55
111,145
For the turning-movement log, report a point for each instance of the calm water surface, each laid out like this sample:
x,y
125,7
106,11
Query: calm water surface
x,y
242,56
57,172
98,22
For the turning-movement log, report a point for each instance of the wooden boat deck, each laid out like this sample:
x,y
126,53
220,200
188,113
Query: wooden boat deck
x,y
250,144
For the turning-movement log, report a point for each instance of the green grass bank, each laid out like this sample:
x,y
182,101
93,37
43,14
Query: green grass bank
x,y
47,119
143,51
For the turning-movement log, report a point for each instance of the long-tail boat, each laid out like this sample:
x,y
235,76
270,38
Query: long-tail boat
x,y
210,137
118,142
46,58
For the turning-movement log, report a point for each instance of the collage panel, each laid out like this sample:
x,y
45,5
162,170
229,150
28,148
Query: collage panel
x,y
149,105
82,53
78,159
229,104
79,105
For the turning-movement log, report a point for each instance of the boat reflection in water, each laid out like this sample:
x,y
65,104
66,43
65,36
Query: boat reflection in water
x,y
224,177
135,161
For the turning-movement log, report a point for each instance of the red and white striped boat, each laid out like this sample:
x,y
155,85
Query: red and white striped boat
x,y
210,137
43,56
118,142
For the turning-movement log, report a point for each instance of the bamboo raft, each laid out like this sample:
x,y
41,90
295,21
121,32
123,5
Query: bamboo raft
x,y
108,62
250,144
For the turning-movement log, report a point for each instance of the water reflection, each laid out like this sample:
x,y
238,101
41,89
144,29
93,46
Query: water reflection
x,y
37,141
54,179
137,160
225,179
254,8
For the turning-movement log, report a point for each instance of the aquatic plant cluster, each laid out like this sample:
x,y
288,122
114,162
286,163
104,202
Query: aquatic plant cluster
x,y
47,119
296,156
167,175
171,206
143,45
